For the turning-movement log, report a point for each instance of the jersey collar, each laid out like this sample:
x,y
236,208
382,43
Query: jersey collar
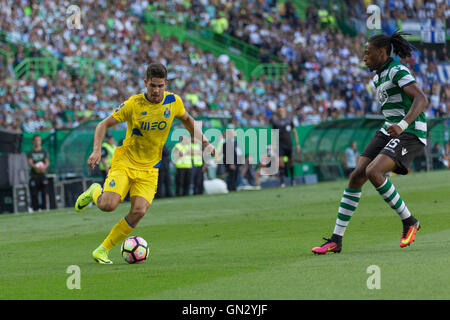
x,y
146,98
385,65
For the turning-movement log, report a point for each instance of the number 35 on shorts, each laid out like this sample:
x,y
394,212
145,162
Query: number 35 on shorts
x,y
393,143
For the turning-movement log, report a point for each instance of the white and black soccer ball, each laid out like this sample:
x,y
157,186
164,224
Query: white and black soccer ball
x,y
135,250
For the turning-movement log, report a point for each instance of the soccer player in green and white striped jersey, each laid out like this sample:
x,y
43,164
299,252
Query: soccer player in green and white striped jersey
x,y
394,146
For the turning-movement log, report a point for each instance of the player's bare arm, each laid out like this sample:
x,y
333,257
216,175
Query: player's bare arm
x,y
100,132
189,124
420,101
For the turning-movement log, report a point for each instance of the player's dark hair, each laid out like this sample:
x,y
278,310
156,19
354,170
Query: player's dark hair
x,y
35,136
402,47
156,70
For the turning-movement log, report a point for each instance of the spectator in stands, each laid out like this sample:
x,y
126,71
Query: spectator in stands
x,y
220,24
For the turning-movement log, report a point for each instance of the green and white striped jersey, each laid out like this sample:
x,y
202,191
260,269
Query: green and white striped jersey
x,y
395,103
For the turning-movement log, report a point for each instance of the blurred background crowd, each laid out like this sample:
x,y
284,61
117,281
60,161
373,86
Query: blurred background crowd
x,y
324,80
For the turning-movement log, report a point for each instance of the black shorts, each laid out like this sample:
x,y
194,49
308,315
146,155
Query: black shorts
x,y
402,149
286,150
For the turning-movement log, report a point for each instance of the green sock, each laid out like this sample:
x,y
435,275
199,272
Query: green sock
x,y
347,206
393,199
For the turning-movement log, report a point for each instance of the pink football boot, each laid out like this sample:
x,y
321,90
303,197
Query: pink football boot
x,y
328,246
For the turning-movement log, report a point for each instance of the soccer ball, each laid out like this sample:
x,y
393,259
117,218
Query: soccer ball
x,y
135,250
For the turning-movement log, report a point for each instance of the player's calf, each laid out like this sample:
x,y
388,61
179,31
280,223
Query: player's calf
x,y
136,214
139,207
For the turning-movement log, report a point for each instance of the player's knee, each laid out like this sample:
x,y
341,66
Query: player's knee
x,y
372,172
107,206
358,174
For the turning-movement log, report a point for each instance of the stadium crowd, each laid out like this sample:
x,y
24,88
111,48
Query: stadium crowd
x,y
325,78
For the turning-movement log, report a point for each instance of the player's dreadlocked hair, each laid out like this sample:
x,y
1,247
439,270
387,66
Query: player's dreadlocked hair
x,y
402,48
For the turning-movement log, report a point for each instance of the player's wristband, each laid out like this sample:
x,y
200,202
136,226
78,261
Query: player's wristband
x,y
403,124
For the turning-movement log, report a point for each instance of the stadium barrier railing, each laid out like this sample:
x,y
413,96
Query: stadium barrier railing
x,y
272,71
223,40
6,56
47,64
85,66
36,66
245,65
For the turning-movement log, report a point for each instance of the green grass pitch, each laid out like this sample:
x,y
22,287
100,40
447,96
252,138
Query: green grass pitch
x,y
245,245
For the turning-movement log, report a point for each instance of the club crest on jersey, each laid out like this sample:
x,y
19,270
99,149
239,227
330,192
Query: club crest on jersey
x,y
112,184
166,113
382,96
